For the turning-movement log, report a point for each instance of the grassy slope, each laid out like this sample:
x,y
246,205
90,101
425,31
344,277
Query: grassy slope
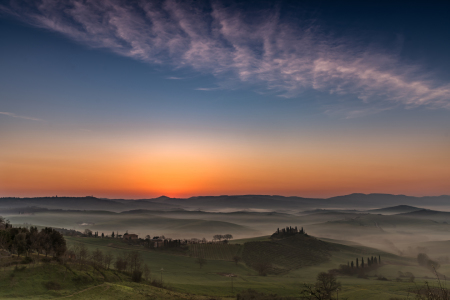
x,y
185,276
29,284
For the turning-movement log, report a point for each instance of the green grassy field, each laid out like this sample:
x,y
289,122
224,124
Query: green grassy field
x,y
188,281
30,282
185,276
215,251
297,261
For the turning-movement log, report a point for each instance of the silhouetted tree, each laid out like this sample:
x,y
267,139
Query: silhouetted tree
x,y
324,288
97,257
107,260
218,237
200,261
88,232
228,236
262,267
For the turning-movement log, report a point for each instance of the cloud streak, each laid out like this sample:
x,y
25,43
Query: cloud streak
x,y
17,116
267,53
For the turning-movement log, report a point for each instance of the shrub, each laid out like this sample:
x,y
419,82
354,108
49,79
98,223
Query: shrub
x,y
251,294
80,279
46,260
27,260
136,276
157,283
52,285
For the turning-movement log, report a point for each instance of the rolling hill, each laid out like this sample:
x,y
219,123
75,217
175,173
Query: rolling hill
x,y
394,209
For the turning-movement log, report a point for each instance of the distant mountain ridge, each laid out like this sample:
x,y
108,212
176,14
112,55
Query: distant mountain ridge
x,y
233,202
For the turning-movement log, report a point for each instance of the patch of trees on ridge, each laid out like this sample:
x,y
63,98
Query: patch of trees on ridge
x,y
287,232
23,241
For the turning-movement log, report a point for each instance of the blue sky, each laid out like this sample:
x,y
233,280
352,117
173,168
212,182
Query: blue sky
x,y
265,77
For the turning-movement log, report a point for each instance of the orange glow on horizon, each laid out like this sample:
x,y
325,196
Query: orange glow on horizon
x,y
177,167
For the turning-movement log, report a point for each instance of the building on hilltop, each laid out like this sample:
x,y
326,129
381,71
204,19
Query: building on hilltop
x,y
157,242
130,236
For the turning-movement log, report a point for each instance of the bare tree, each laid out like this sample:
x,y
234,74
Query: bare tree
x,y
97,257
236,259
201,261
324,288
135,260
81,253
146,271
107,260
262,267
120,264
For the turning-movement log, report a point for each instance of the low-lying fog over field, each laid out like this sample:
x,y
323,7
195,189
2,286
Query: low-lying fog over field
x,y
393,223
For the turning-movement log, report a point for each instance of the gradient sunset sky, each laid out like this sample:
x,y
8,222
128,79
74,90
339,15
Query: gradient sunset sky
x,y
138,99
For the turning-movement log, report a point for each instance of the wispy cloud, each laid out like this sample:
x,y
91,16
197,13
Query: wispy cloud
x,y
18,116
207,89
268,53
174,78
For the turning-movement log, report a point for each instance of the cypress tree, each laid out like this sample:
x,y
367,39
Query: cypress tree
x,y
376,261
362,262
352,264
357,265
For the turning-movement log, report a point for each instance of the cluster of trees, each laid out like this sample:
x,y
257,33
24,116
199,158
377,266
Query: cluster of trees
x,y
358,268
129,261
370,262
220,237
22,240
288,231
89,233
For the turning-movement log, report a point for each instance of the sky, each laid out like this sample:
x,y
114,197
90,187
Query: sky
x,y
138,99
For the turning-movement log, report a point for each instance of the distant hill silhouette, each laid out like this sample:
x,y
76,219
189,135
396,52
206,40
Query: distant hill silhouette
x,y
269,203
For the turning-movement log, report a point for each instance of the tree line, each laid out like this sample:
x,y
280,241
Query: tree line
x,y
130,262
24,241
359,267
288,231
